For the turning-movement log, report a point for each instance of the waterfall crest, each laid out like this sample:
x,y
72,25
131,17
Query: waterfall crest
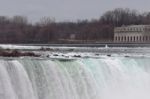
x,y
103,78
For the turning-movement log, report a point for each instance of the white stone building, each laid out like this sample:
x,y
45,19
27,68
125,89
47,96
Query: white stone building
x,y
132,33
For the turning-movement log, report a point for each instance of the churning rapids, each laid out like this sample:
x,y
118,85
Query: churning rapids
x,y
101,78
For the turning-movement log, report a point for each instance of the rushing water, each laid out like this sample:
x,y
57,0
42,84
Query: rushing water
x,y
104,78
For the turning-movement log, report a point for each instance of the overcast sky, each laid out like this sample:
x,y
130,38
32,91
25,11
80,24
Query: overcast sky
x,y
67,10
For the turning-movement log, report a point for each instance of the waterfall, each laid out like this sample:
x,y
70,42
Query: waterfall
x,y
103,78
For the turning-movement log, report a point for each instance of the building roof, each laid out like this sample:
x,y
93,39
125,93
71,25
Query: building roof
x,y
133,26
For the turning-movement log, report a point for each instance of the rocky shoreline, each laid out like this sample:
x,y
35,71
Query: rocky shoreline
x,y
17,53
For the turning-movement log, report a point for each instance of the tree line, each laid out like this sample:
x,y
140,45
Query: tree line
x,y
18,29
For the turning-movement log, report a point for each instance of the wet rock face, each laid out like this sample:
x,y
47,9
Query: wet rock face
x,y
55,55
16,53
109,55
77,56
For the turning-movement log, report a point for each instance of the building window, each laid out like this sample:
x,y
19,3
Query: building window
x,y
137,38
128,38
131,38
121,38
146,38
124,38
118,38
140,38
143,38
134,38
